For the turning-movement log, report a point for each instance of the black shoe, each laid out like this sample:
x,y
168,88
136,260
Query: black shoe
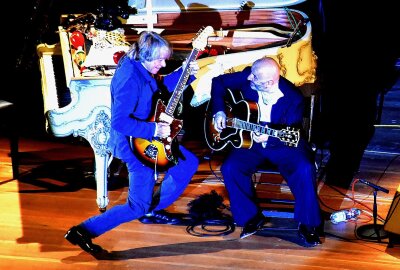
x,y
309,235
253,225
159,217
79,236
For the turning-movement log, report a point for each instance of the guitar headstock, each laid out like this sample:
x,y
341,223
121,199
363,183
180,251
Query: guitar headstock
x,y
200,40
290,136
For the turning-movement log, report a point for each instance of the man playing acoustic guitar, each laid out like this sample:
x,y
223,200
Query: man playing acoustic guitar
x,y
277,103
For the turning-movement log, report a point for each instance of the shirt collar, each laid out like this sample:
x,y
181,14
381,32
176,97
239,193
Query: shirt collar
x,y
270,98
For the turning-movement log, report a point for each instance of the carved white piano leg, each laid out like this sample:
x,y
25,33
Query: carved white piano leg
x,y
101,168
97,134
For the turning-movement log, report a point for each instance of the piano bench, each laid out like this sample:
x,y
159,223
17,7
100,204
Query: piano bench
x,y
9,125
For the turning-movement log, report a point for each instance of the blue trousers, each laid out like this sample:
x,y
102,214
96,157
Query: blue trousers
x,y
140,193
297,167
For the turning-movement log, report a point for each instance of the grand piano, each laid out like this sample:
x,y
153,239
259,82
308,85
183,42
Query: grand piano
x,y
243,32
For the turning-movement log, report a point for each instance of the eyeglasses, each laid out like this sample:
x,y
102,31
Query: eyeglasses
x,y
253,78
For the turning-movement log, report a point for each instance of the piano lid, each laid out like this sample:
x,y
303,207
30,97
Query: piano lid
x,y
203,5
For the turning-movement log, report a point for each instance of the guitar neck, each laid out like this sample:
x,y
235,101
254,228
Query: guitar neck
x,y
240,124
176,95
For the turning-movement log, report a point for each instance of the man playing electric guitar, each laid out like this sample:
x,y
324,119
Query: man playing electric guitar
x,y
162,150
132,89
280,103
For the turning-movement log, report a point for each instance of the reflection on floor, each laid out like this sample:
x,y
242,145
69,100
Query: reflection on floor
x,y
56,189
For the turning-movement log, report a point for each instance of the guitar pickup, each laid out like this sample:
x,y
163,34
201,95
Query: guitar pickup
x,y
151,151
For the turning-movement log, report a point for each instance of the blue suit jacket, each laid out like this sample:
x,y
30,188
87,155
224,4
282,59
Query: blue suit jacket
x,y
132,90
288,111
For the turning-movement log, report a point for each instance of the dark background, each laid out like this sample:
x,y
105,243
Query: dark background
x,y
27,24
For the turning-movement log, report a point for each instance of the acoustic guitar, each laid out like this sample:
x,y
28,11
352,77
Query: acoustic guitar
x,y
242,120
162,151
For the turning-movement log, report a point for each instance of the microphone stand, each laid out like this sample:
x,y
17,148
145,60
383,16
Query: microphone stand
x,y
365,231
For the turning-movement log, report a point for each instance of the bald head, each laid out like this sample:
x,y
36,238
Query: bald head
x,y
267,67
264,75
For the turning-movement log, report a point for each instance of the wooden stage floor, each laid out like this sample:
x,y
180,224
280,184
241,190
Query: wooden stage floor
x,y
54,192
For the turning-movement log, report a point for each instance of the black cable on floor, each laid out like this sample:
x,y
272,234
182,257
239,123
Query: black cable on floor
x,y
207,227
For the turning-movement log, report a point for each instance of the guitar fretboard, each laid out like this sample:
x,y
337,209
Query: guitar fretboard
x,y
240,124
288,135
174,100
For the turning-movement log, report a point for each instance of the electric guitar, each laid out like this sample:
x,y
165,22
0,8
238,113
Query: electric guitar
x,y
162,151
241,122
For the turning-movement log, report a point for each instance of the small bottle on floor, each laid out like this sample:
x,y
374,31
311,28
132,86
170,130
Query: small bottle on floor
x,y
345,215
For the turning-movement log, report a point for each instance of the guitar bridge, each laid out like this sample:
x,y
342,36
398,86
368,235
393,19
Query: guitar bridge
x,y
151,151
